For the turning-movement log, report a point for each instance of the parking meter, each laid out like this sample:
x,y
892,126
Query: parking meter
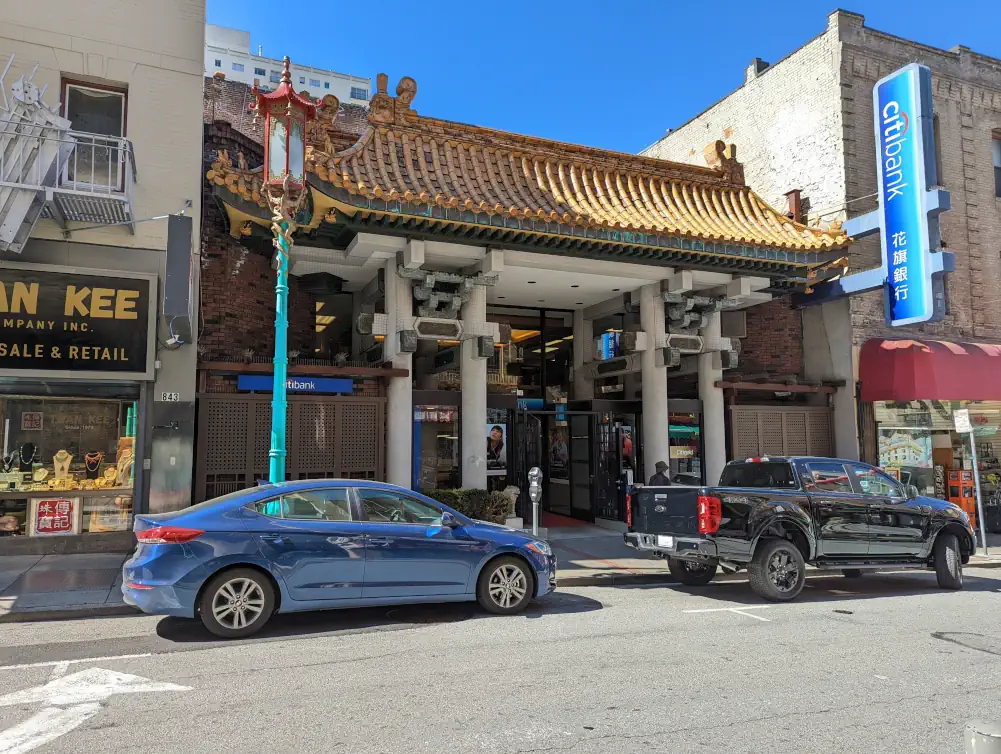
x,y
535,493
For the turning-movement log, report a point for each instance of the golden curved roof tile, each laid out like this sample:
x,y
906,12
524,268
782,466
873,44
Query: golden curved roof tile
x,y
401,154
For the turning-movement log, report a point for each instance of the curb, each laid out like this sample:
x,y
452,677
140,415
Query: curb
x,y
986,564
614,579
69,613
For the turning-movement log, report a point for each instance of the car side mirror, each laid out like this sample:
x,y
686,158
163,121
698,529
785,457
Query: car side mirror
x,y
912,492
449,520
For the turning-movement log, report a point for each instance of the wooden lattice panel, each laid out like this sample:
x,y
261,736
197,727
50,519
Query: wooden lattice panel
x,y
795,431
360,437
819,434
316,438
226,439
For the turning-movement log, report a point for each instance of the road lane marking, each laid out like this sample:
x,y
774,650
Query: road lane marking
x,y
68,702
59,663
45,726
737,610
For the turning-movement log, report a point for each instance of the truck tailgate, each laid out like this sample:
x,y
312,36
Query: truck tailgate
x,y
665,510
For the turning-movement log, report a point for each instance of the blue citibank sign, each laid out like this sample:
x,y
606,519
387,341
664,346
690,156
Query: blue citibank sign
x,y
265,383
913,270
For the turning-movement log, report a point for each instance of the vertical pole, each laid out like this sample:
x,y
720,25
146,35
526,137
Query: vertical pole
x,y
276,456
713,414
656,425
980,503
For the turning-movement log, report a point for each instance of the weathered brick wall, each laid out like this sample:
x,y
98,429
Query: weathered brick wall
x,y
967,100
774,342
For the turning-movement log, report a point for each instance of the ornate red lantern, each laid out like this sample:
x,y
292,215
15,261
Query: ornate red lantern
x,y
285,116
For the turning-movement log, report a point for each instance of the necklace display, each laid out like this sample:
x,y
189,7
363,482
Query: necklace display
x,y
92,461
26,456
61,463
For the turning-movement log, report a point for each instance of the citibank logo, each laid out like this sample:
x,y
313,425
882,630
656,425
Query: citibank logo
x,y
895,124
294,384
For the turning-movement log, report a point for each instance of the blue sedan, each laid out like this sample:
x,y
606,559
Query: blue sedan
x,y
318,544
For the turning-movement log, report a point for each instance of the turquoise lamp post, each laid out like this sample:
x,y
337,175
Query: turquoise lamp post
x,y
285,116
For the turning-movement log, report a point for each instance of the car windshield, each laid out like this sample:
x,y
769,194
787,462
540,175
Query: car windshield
x,y
776,475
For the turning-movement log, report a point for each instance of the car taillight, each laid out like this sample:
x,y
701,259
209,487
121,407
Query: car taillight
x,y
629,511
710,514
168,535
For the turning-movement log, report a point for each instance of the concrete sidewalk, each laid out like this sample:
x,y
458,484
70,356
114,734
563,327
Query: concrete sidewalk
x,y
48,587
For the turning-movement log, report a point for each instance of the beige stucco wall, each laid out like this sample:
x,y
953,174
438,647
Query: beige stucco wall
x,y
154,49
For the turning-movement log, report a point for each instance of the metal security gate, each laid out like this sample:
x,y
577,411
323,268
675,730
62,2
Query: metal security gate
x,y
780,431
326,437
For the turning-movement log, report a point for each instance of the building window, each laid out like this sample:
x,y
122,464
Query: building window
x,y
302,79
260,72
996,145
69,465
357,93
218,63
238,67
97,112
937,137
276,77
326,84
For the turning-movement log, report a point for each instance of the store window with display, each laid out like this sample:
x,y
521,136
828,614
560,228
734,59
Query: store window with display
x,y
68,465
436,447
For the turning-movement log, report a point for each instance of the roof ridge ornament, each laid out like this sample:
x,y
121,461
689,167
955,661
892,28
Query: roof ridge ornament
x,y
386,110
723,157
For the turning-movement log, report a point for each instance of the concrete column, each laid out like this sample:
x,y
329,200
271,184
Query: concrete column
x,y
656,427
713,412
473,383
583,339
399,393
828,354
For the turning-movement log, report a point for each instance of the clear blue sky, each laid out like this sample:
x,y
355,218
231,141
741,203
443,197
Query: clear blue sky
x,y
607,73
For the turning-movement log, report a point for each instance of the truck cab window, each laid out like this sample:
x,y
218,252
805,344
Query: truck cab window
x,y
875,482
775,475
828,477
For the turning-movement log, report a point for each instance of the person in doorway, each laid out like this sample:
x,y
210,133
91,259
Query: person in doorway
x,y
660,478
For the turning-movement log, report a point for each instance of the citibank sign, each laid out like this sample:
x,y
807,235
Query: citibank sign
x,y
906,170
912,275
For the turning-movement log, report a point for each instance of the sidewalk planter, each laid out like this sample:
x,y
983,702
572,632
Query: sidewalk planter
x,y
479,504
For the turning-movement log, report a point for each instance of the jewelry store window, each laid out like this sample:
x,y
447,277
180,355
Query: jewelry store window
x,y
67,465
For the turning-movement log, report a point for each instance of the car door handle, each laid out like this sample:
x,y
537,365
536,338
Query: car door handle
x,y
275,539
339,540
379,541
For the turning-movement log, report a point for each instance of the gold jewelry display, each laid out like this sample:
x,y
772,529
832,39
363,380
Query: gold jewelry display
x,y
61,462
124,468
110,473
40,474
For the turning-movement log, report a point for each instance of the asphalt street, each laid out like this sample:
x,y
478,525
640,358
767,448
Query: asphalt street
x,y
887,663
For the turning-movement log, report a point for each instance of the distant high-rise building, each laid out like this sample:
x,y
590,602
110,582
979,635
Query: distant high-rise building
x,y
227,51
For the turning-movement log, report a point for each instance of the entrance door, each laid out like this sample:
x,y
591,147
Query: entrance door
x,y
580,466
606,469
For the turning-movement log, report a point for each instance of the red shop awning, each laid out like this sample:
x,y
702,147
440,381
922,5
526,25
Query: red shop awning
x,y
914,370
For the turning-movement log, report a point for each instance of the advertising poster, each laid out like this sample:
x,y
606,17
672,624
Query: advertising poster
x,y
626,442
559,453
496,450
905,447
54,517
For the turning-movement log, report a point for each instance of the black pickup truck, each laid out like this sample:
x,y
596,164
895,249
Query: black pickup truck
x,y
775,515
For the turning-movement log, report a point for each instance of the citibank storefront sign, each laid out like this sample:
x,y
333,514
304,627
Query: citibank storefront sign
x,y
266,382
903,112
912,275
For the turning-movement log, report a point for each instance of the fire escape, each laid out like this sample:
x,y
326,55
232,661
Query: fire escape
x,y
49,170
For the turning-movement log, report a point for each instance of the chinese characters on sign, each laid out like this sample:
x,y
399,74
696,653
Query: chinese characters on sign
x,y
31,421
54,517
905,166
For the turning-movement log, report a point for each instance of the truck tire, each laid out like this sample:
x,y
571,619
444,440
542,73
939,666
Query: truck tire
x,y
948,562
692,574
777,572
852,573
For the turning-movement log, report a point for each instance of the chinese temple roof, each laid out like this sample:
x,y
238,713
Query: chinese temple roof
x,y
406,168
